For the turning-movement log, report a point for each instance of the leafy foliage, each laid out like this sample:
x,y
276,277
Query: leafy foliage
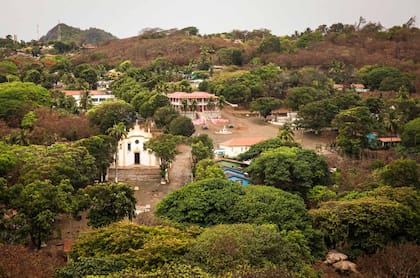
x,y
208,169
38,205
17,98
108,113
206,202
225,247
141,247
265,105
410,136
290,169
181,125
109,202
400,172
367,223
257,149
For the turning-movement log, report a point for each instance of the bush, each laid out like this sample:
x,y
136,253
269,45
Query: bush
x,y
224,247
206,202
366,224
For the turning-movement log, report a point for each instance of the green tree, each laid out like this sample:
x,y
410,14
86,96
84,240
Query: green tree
x,y
181,125
269,44
366,224
317,115
208,169
109,202
33,76
125,245
223,248
230,56
400,172
257,149
265,105
164,146
8,159
410,137
318,194
102,148
206,202
108,113
299,96
200,150
291,169
17,99
376,75
353,125
56,163
286,133
39,204
164,115
28,120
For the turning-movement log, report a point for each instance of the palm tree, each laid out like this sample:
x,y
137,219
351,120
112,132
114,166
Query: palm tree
x,y
117,131
184,105
194,105
211,104
286,133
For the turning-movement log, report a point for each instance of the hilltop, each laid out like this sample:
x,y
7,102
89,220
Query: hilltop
x,y
78,36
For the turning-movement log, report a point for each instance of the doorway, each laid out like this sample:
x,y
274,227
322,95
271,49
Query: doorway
x,y
136,158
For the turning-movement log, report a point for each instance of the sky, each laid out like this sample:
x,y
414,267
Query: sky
x,y
29,19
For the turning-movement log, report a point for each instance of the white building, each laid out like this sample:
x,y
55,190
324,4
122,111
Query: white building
x,y
195,104
131,150
95,96
234,147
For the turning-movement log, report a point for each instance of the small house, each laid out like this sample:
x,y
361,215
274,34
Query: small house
x,y
95,96
358,88
237,146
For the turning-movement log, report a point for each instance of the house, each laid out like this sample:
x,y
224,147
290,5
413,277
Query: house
x,y
195,104
359,88
282,116
339,87
131,150
376,142
387,142
95,96
236,146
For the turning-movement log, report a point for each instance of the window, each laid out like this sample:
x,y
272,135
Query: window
x,y
137,141
129,147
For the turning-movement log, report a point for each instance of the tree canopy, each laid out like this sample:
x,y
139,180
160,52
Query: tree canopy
x,y
289,168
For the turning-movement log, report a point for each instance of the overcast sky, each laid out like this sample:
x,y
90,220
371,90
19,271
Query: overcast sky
x,y
125,18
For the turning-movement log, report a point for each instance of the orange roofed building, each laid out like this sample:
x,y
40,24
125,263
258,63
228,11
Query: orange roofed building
x,y
195,104
237,146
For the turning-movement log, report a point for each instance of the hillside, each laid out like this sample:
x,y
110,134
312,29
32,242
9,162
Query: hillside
x,y
179,49
68,33
356,48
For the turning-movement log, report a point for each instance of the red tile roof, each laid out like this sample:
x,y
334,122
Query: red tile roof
x,y
247,141
389,139
191,95
79,92
359,86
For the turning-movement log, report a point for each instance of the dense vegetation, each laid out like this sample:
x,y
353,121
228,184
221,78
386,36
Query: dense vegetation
x,y
55,153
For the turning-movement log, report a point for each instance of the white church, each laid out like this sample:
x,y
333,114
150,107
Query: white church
x,y
131,151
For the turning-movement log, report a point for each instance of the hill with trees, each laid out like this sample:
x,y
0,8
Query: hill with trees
x,y
65,33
